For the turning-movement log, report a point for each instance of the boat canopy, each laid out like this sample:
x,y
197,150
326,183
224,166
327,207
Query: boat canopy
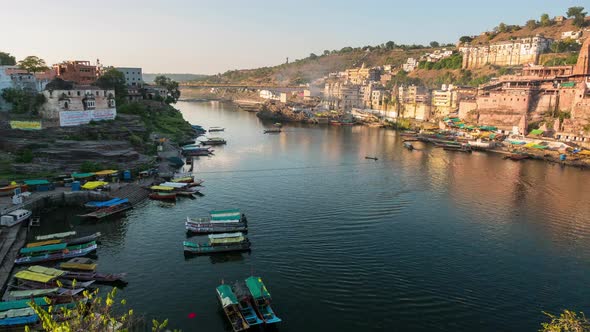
x,y
55,236
46,270
82,175
91,185
21,303
33,276
188,178
226,295
112,202
174,184
36,182
32,292
257,288
106,172
51,247
13,313
78,266
225,215
42,243
226,238
163,188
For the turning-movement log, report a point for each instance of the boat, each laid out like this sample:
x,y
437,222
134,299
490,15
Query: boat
x,y
460,148
213,129
72,241
108,211
408,133
79,264
272,131
15,217
278,124
245,303
411,140
44,254
55,236
229,303
215,229
517,156
214,141
102,204
481,145
219,221
9,190
218,243
96,276
373,158
262,300
408,146
159,196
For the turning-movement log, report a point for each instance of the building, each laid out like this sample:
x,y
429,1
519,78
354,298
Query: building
x,y
505,53
79,72
342,96
445,101
362,75
575,35
437,55
270,95
414,102
155,91
133,76
410,65
78,105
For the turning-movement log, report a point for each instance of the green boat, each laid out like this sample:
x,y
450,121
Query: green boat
x,y
229,303
262,300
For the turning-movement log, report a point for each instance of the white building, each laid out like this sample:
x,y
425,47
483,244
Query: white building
x,y
270,95
410,65
133,76
81,104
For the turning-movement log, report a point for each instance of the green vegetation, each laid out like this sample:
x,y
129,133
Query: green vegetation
x,y
24,156
115,80
6,59
24,101
532,24
171,86
570,59
565,45
465,39
453,62
567,321
578,15
33,64
545,20
89,167
158,118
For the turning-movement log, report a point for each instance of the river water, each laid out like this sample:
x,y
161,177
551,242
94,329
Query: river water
x,y
417,241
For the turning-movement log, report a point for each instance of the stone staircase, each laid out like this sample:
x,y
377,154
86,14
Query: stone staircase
x,y
11,241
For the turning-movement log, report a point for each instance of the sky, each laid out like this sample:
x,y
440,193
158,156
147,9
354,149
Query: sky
x,y
209,37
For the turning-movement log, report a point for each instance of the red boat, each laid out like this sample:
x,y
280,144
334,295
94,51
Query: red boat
x,y
163,196
516,156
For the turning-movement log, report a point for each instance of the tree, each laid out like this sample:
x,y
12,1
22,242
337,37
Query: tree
x,y
113,79
568,321
6,59
502,27
531,24
465,39
326,52
170,85
389,45
434,44
545,20
578,14
24,101
565,45
33,64
312,56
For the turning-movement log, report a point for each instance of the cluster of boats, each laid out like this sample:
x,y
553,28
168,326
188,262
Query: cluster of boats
x,y
179,187
60,285
247,304
226,233
104,209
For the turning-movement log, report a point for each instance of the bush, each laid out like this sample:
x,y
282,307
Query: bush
x,y
135,140
24,156
89,167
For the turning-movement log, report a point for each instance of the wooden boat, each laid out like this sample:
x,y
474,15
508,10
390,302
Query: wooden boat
x,y
408,146
411,140
98,277
79,264
103,204
214,141
262,300
108,211
408,133
52,293
272,131
15,217
517,156
158,196
9,190
459,148
214,129
229,303
54,236
209,228
218,243
335,123
219,221
72,241
59,253
197,151
372,158
245,304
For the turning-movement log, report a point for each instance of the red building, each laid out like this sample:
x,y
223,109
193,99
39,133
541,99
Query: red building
x,y
80,72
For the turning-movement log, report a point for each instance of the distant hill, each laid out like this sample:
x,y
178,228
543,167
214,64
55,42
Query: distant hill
x,y
149,78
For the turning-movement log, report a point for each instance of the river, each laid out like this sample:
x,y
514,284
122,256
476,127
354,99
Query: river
x,y
416,241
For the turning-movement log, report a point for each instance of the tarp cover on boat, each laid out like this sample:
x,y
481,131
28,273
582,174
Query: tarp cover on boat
x,y
21,303
174,184
226,295
91,185
54,236
225,215
184,179
33,276
17,313
106,172
46,270
226,238
42,243
36,182
257,288
82,175
51,247
163,188
19,320
32,292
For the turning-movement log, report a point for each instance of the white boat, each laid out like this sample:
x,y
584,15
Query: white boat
x,y
479,144
212,129
15,217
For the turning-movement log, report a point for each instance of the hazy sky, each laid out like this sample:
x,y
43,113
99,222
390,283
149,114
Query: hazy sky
x,y
198,36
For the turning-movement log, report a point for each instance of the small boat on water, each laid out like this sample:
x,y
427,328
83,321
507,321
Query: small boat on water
x,y
214,129
108,211
372,158
98,277
54,236
54,252
160,196
408,133
219,221
272,131
245,303
79,264
517,156
15,217
262,300
218,243
230,305
411,140
459,148
9,190
68,241
408,146
214,141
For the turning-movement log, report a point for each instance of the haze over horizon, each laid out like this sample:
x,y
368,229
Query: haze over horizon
x,y
205,37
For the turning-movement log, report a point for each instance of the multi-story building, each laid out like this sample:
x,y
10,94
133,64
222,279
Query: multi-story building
x,y
78,105
410,65
133,76
505,53
414,102
342,96
79,72
362,75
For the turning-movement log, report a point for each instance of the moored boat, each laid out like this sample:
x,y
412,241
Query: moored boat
x,y
460,148
108,211
15,217
214,129
58,252
372,158
219,221
79,264
272,131
245,303
218,243
408,146
229,303
517,156
159,196
262,300
214,141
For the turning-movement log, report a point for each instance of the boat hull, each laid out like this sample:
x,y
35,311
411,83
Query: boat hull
x,y
206,249
213,228
56,256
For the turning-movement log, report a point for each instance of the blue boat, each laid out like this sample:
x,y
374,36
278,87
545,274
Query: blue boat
x,y
262,300
17,321
245,304
109,203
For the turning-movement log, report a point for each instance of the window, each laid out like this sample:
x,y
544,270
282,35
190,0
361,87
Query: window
x,y
78,93
97,93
